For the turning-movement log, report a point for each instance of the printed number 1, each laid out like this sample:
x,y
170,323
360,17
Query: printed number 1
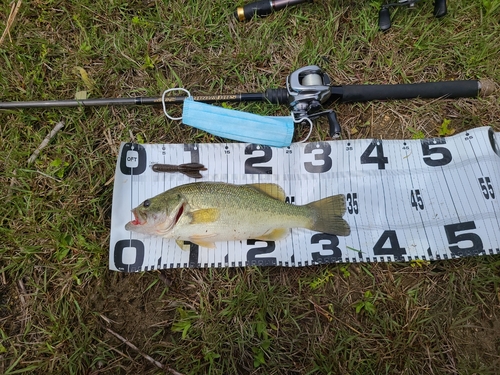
x,y
486,187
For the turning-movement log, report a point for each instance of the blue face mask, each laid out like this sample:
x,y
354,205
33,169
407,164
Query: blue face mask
x,y
237,125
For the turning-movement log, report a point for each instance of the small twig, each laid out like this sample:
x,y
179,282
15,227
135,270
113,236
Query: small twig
x,y
22,293
13,182
147,357
10,21
46,141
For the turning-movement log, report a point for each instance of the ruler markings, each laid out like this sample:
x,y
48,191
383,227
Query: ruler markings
x,y
418,202
459,203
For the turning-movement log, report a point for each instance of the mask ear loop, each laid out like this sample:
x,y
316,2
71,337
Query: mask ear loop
x,y
164,105
310,127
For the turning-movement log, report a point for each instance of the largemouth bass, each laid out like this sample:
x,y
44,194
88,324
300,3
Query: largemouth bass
x,y
208,212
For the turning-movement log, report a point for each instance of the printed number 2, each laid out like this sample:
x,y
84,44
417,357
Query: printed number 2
x,y
486,187
416,199
250,167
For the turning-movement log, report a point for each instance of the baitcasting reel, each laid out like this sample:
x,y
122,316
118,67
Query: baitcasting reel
x,y
384,16
308,88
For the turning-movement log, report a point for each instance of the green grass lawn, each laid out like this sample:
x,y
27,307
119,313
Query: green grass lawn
x,y
61,309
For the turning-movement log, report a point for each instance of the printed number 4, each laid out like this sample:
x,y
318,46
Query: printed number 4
x,y
486,187
380,159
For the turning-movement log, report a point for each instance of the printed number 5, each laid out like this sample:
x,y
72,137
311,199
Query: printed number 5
x,y
486,187
454,238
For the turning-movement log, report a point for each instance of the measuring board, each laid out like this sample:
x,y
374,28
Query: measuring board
x,y
406,199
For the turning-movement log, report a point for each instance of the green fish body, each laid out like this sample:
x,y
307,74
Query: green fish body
x,y
208,212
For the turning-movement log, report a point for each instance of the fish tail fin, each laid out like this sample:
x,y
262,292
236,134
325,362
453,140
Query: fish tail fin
x,y
328,214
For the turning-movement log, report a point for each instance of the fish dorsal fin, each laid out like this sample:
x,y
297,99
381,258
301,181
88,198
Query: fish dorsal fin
x,y
273,190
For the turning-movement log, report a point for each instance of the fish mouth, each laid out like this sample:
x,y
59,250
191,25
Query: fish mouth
x,y
138,220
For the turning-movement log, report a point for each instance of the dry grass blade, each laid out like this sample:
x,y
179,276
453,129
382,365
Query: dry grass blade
x,y
10,21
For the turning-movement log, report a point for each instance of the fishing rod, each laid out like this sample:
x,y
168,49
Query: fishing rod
x,y
264,8
307,91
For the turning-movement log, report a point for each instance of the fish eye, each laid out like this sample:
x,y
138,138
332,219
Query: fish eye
x,y
146,203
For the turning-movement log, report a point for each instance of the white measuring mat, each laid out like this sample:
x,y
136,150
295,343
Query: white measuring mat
x,y
406,199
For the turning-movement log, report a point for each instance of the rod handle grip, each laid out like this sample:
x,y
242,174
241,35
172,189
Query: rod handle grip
x,y
448,89
259,8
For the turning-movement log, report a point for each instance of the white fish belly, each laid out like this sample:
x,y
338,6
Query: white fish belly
x,y
230,228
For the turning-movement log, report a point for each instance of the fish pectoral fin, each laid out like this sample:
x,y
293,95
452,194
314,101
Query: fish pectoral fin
x,y
182,245
203,240
205,215
273,190
274,235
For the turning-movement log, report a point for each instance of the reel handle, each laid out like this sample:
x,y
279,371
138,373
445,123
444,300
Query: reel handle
x,y
384,19
334,124
440,9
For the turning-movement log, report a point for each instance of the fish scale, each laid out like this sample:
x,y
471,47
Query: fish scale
x,y
208,212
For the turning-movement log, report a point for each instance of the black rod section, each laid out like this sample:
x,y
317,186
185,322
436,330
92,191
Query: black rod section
x,y
450,89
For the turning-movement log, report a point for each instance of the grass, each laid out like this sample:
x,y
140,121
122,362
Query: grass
x,y
58,301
